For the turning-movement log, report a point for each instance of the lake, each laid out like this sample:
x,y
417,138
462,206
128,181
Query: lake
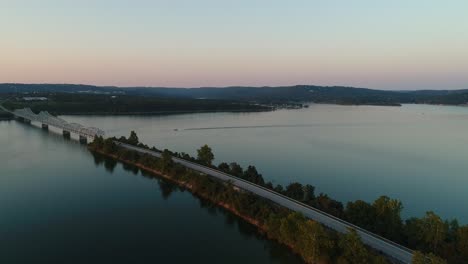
x,y
416,153
61,204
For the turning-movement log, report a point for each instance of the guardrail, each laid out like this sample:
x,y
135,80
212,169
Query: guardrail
x,y
304,205
341,221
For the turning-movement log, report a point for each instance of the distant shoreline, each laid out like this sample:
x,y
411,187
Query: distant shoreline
x,y
161,112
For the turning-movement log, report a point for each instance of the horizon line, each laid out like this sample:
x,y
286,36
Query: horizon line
x,y
229,86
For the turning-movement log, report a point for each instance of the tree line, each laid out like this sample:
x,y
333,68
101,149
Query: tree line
x,y
433,238
74,103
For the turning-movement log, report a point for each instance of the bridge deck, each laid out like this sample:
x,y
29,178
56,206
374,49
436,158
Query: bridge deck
x,y
45,118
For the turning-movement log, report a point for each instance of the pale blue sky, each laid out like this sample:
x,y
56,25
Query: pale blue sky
x,y
376,44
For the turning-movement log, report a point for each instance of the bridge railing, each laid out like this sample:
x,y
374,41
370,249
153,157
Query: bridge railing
x,y
46,118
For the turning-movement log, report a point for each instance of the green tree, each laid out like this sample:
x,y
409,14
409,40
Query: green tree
x,y
331,206
309,193
236,169
165,161
433,230
353,250
205,155
252,175
272,225
109,146
462,241
362,214
388,221
98,142
433,259
420,258
289,229
413,233
378,259
452,228
314,241
279,188
224,167
295,191
133,138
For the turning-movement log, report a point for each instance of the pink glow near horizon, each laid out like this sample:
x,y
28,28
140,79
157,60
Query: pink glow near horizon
x,y
161,44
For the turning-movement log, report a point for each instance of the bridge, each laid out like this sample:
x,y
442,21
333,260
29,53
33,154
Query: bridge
x,y
397,252
46,119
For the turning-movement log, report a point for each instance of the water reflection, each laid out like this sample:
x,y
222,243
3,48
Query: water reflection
x,y
59,208
166,188
110,164
409,153
277,252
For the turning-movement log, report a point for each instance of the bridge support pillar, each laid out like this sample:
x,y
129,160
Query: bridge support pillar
x,y
27,121
66,133
45,126
83,139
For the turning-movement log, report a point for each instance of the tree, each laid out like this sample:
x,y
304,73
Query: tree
x,y
388,221
361,213
236,169
453,227
279,188
205,155
252,175
309,194
109,146
378,259
272,225
353,250
413,231
433,230
165,160
462,241
314,241
224,167
98,142
325,203
295,191
433,259
133,138
289,229
420,258
269,185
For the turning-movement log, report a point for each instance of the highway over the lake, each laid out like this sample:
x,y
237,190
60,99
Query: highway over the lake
x,y
389,248
46,119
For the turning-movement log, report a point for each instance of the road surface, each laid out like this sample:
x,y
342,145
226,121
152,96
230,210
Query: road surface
x,y
389,248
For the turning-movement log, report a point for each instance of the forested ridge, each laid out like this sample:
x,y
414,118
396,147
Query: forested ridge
x,y
71,103
281,94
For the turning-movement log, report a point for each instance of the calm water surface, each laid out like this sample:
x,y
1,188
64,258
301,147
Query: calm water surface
x,y
61,204
417,153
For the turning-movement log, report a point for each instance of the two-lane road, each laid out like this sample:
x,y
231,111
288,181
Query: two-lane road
x,y
379,243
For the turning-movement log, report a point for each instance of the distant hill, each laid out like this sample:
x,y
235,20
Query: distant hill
x,y
319,94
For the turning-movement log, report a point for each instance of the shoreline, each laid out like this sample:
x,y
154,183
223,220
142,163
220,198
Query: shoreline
x,y
260,228
162,112
182,184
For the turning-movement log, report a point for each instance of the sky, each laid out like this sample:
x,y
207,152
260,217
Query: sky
x,y
398,45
